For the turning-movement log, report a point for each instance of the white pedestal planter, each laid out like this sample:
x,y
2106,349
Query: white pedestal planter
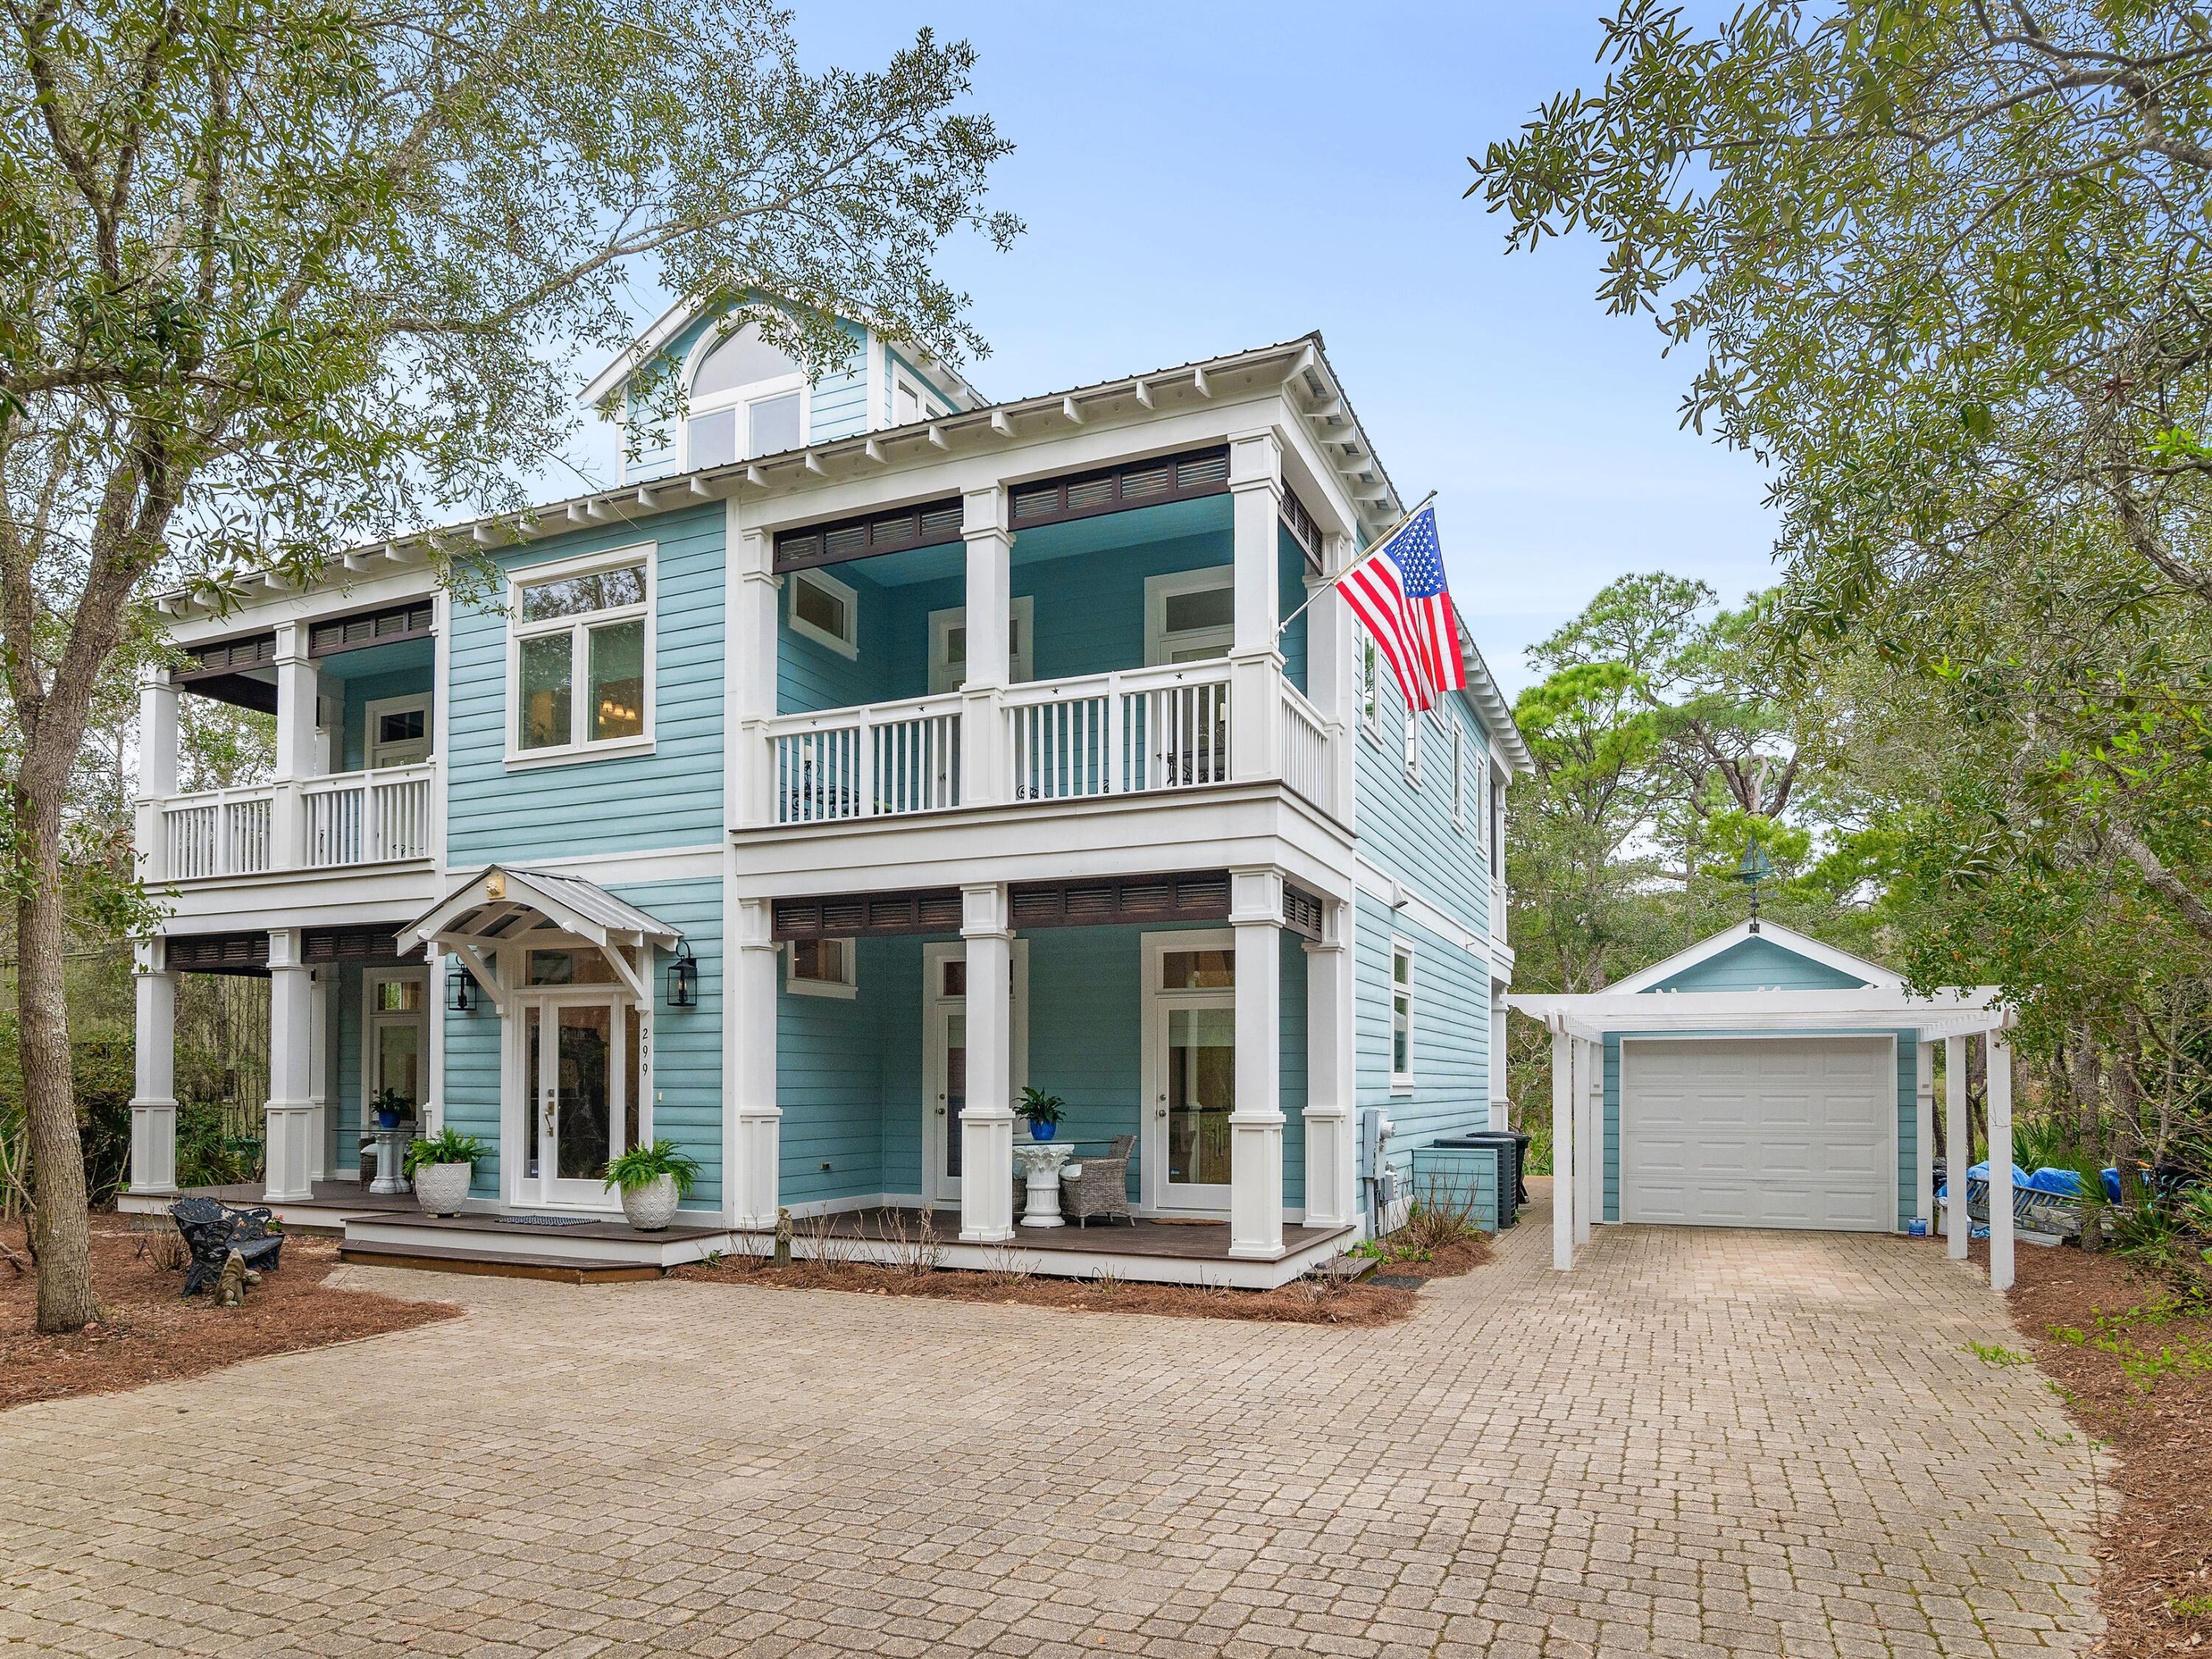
x,y
442,1189
650,1208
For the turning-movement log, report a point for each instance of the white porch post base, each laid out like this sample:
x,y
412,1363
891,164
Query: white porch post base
x,y
1255,1185
289,1152
1330,1199
759,1148
153,1147
986,1174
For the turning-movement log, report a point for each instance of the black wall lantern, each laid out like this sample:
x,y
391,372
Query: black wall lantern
x,y
683,978
461,993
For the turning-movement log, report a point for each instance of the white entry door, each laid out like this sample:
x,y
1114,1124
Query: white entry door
x,y
581,1063
944,1060
1744,1131
1190,1068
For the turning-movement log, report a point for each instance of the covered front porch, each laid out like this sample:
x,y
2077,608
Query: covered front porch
x,y
1195,1028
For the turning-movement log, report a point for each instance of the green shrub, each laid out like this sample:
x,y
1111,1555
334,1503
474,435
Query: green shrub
x,y
449,1146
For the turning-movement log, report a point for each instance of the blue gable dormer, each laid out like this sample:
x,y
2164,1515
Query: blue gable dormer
x,y
1759,964
745,398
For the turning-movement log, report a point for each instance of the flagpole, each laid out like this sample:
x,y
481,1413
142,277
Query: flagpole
x,y
1404,519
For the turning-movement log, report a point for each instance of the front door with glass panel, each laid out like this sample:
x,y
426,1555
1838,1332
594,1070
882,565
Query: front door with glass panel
x,y
1191,1067
944,1060
580,1068
399,1029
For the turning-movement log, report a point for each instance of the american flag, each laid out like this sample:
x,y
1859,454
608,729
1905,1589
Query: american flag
x,y
1398,592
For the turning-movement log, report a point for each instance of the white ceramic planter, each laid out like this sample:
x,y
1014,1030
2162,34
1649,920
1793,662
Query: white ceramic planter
x,y
650,1208
441,1188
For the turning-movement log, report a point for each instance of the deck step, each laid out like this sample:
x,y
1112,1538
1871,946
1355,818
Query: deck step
x,y
433,1258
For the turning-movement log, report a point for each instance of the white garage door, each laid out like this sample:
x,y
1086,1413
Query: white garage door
x,y
1784,1132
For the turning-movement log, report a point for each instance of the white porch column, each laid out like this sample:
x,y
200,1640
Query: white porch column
x,y
319,987
989,605
289,1143
1589,1095
1331,1198
986,1122
431,1111
1331,679
157,769
752,1128
154,1101
1958,1150
1501,1101
298,749
751,660
1999,1052
1255,1121
1924,1136
1255,660
1563,1149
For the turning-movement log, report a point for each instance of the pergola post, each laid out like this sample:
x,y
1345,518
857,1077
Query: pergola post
x,y
1999,1053
1958,1150
1587,1085
1924,1135
1563,1149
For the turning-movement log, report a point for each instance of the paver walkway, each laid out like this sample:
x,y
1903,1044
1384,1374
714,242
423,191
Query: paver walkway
x,y
1699,1443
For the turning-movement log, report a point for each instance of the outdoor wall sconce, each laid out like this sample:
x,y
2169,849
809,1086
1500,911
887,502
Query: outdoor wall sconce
x,y
683,978
460,985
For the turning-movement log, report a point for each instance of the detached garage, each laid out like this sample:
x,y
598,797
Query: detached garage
x,y
1762,1078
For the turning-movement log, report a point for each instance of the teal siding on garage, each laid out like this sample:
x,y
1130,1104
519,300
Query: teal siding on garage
x,y
1759,964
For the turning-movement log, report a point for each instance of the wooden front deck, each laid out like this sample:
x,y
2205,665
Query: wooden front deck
x,y
1146,1236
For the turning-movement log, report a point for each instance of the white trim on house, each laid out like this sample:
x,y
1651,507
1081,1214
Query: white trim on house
x,y
1876,975
1021,649
580,627
846,644
845,987
374,754
1950,1012
1402,948
1160,641
1157,1195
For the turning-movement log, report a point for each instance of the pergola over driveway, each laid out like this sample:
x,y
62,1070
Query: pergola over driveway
x,y
1752,995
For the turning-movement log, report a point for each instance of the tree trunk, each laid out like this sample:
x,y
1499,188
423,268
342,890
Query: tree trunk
x,y
58,1223
2127,1131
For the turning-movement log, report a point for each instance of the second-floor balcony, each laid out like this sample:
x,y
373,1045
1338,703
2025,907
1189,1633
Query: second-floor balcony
x,y
375,817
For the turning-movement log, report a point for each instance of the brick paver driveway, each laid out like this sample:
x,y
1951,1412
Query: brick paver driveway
x,y
1699,1443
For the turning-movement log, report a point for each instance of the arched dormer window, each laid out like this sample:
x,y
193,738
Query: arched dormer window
x,y
746,398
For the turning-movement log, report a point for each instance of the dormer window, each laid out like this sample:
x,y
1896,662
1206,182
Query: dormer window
x,y
747,398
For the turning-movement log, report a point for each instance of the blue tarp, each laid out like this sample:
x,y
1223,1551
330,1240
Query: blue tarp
x,y
1981,1172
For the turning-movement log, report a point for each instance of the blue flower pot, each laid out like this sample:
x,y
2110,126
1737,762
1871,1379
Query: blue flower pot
x,y
1043,1131
387,1120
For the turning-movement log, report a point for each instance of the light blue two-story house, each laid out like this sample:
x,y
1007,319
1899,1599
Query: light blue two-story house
x,y
857,695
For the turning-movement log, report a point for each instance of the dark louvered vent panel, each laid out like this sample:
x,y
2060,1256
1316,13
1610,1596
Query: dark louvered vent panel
x,y
1303,528
1139,483
927,526
1301,912
879,915
229,655
1200,897
320,944
218,953
1208,892
939,912
395,622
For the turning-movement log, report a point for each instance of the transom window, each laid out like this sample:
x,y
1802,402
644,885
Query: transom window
x,y
1190,615
825,610
570,967
948,645
823,968
746,398
1198,970
580,657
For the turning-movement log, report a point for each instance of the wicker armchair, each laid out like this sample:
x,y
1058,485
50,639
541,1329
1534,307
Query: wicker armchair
x,y
1099,1186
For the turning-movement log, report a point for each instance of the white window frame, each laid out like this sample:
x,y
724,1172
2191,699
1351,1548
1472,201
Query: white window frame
x,y
739,397
847,645
1021,616
374,710
578,628
1459,777
1158,640
1413,745
373,1020
1402,950
1367,675
926,403
845,988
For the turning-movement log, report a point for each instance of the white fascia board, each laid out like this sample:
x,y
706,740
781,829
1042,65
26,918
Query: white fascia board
x,y
1953,1011
333,598
1491,708
664,328
1788,939
358,896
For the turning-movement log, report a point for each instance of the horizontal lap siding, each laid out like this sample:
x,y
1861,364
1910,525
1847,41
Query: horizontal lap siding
x,y
837,406
1451,1032
1091,606
830,1082
345,1080
1408,832
671,798
1908,1090
1290,597
687,1042
471,1087
1759,964
358,693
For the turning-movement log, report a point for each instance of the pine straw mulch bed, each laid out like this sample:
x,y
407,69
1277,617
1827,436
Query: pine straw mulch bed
x,y
149,1333
1311,1300
2146,1393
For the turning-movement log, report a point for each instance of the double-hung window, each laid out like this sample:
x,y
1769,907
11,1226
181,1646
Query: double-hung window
x,y
1401,1014
1371,686
1459,778
1413,745
580,657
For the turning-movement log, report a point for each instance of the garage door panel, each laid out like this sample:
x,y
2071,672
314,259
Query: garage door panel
x,y
1760,1132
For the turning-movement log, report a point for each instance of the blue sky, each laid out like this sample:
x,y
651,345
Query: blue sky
x,y
1205,176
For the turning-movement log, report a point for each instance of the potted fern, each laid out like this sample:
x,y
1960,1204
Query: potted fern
x,y
652,1177
441,1166
1043,1111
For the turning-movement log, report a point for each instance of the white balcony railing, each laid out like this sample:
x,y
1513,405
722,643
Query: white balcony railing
x,y
1113,734
347,818
367,817
1305,750
882,760
220,832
